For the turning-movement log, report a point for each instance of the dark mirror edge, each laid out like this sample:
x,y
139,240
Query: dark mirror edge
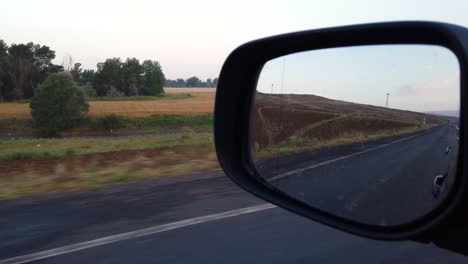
x,y
247,60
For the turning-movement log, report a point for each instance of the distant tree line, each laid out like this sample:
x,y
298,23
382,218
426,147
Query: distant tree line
x,y
192,82
115,77
24,66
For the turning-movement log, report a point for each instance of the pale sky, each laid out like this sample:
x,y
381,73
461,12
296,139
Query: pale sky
x,y
420,78
192,37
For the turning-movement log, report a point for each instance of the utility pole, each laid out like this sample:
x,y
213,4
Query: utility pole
x,y
386,103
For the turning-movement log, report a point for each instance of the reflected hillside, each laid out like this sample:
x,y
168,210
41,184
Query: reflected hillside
x,y
291,122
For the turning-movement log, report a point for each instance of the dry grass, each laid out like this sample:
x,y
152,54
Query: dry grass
x,y
40,148
98,170
297,144
201,102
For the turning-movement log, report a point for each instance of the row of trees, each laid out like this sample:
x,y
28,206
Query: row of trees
x,y
115,77
24,66
192,82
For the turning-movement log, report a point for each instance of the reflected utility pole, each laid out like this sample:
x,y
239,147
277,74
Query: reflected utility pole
x,y
386,103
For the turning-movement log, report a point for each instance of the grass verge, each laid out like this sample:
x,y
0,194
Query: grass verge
x,y
297,144
46,148
95,171
115,123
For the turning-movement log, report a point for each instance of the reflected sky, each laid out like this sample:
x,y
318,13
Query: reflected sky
x,y
417,77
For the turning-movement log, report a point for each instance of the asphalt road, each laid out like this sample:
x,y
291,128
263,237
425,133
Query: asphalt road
x,y
387,182
34,224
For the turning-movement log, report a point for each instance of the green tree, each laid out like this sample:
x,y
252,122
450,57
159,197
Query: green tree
x,y
209,82
24,66
181,83
170,83
76,72
87,77
19,67
193,82
3,72
88,89
108,75
153,80
3,48
113,92
57,104
132,80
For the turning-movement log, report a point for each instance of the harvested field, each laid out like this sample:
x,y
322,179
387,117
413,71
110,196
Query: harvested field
x,y
201,102
314,121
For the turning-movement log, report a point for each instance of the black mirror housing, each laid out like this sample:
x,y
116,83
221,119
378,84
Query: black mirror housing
x,y
234,98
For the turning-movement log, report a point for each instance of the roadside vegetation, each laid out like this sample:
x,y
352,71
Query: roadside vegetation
x,y
169,157
113,125
57,104
298,143
47,148
101,150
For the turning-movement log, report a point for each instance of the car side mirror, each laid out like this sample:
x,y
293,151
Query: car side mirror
x,y
359,127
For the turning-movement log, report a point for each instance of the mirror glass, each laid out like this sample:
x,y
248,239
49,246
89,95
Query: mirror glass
x,y
366,133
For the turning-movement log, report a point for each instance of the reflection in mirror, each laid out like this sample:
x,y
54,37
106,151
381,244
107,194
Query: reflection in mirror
x,y
367,133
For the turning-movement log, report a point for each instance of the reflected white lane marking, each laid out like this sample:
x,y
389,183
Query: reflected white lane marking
x,y
133,234
289,173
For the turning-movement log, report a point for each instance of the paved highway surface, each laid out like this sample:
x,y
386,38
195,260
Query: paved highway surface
x,y
271,235
387,182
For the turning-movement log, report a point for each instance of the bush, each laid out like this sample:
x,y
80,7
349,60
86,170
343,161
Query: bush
x,y
70,152
186,134
174,121
58,104
110,122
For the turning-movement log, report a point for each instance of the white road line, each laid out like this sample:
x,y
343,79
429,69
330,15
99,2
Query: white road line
x,y
133,234
289,173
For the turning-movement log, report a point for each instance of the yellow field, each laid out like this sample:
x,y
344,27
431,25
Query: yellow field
x,y
202,102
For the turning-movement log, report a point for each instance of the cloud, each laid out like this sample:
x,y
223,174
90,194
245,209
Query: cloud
x,y
440,94
448,85
406,90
